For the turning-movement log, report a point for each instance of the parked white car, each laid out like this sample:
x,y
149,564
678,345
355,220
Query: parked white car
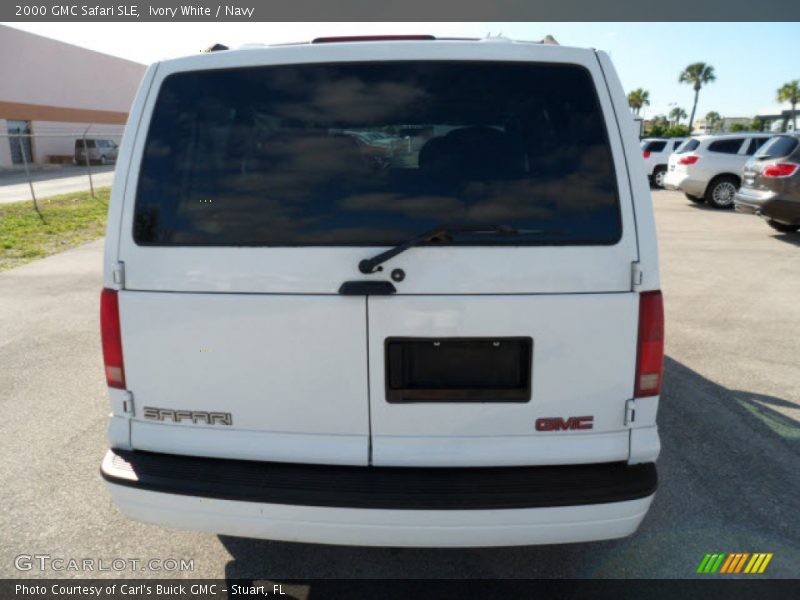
x,y
707,168
455,346
656,153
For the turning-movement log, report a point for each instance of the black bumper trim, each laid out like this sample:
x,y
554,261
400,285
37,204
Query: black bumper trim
x,y
410,488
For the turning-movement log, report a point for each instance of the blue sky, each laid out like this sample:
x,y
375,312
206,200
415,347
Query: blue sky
x,y
752,60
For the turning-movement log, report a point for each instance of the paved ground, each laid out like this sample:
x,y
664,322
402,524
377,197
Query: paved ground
x,y
52,181
729,422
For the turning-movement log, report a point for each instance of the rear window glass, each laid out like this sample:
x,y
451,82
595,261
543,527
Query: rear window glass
x,y
676,144
688,146
782,145
79,144
376,153
726,146
655,146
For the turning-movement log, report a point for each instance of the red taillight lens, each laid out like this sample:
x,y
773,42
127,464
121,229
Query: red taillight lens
x,y
689,160
646,154
650,351
112,340
780,170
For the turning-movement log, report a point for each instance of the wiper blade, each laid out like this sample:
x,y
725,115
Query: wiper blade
x,y
370,265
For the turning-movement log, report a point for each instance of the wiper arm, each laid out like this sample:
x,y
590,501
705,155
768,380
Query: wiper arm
x,y
370,265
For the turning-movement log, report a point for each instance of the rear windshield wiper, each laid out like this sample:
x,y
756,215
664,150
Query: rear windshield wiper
x,y
370,265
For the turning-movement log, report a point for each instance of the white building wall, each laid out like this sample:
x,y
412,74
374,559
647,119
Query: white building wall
x,y
39,70
56,138
45,81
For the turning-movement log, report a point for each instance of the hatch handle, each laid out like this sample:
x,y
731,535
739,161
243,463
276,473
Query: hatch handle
x,y
367,288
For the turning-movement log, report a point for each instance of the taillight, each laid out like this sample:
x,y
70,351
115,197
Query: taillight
x,y
780,170
689,160
646,154
650,350
112,340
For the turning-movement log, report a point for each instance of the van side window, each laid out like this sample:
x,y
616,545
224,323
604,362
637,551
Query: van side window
x,y
374,153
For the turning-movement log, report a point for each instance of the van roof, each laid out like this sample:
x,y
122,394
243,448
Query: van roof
x,y
548,39
317,48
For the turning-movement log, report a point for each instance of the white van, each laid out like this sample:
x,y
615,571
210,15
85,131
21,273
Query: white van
x,y
450,336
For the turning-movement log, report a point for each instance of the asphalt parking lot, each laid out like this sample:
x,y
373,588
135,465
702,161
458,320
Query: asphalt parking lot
x,y
729,421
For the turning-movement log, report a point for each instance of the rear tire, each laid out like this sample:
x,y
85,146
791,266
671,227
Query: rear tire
x,y
782,227
697,199
721,192
658,177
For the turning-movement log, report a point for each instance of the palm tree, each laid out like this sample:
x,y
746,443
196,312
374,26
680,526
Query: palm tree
x,y
677,114
637,99
697,74
790,92
712,119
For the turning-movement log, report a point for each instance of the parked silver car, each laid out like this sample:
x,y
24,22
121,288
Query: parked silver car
x,y
707,168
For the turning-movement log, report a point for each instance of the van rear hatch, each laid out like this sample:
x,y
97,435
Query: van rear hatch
x,y
260,180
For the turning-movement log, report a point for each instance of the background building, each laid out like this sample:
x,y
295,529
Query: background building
x,y
55,91
722,126
783,121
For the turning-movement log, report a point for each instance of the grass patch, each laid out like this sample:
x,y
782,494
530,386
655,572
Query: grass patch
x,y
69,220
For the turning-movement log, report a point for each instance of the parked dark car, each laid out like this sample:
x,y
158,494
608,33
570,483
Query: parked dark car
x,y
771,183
101,151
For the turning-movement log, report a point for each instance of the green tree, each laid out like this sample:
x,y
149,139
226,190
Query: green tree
x,y
697,75
658,126
713,119
637,99
676,114
678,131
737,127
790,92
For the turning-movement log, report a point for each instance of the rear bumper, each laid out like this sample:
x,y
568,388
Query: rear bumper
x,y
681,180
382,506
767,204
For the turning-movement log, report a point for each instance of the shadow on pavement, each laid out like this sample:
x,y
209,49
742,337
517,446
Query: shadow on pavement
x,y
729,482
707,207
788,238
